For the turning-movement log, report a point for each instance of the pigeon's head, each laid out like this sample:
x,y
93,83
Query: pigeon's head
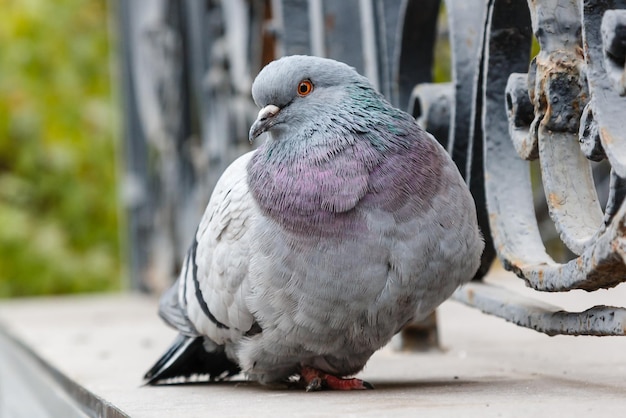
x,y
293,89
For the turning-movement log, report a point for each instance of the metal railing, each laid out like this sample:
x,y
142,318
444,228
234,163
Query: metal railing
x,y
188,68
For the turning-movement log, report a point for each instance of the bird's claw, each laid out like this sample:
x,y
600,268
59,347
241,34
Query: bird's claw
x,y
314,385
318,380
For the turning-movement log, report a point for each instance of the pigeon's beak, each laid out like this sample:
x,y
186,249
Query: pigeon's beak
x,y
264,121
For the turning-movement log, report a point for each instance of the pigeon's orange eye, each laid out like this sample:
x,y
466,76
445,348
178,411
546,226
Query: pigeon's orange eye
x,y
305,87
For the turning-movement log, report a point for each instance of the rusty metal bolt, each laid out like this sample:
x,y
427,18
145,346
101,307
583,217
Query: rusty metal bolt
x,y
560,90
518,104
520,115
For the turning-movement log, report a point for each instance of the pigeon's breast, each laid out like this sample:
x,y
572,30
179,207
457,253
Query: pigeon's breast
x,y
311,197
406,182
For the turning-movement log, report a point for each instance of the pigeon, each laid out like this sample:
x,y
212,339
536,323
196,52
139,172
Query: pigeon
x,y
347,223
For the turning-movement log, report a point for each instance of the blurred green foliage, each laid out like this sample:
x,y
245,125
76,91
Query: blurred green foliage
x,y
442,71
59,221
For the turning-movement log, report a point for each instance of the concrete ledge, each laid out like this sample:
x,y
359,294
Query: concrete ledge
x,y
32,387
488,367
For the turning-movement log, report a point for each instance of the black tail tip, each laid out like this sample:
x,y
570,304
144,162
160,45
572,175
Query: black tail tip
x,y
188,357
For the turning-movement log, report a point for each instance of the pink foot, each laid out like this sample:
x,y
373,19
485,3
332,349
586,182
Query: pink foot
x,y
318,380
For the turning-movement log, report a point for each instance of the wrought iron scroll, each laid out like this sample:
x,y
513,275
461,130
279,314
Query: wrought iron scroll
x,y
563,110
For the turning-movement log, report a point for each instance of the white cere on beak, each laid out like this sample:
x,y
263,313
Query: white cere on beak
x,y
267,112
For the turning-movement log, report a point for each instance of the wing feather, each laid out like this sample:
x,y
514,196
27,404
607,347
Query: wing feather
x,y
213,285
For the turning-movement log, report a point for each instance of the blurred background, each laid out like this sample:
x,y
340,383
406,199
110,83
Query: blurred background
x,y
84,210
60,218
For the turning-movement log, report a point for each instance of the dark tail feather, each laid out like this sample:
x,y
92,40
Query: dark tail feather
x,y
188,357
